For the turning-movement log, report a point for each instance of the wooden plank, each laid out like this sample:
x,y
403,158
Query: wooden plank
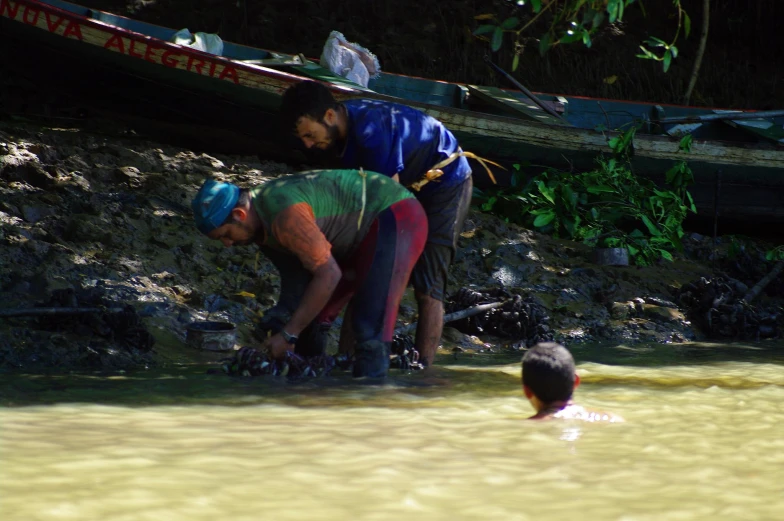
x,y
500,99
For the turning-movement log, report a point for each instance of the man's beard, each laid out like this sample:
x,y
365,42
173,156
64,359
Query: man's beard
x,y
251,237
332,152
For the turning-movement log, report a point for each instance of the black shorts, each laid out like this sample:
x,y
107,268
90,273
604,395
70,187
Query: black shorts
x,y
446,211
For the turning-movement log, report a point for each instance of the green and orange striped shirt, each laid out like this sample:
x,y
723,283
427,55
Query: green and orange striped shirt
x,y
322,212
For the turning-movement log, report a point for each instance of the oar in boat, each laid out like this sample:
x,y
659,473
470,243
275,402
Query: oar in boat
x,y
525,91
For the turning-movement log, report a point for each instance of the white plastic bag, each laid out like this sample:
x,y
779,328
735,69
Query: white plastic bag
x,y
206,42
349,60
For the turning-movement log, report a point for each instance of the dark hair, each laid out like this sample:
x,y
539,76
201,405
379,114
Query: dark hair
x,y
306,98
548,371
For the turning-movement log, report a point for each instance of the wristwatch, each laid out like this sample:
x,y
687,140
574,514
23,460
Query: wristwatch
x,y
291,339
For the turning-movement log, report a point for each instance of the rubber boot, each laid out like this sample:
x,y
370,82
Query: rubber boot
x,y
313,340
371,359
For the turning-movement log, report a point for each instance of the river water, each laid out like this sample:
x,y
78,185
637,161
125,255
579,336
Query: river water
x,y
703,439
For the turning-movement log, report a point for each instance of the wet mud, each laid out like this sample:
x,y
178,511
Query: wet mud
x,y
102,222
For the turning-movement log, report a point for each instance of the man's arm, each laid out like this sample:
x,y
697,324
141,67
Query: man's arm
x,y
317,294
294,279
296,230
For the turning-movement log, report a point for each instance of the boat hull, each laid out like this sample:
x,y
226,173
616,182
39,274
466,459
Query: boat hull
x,y
215,103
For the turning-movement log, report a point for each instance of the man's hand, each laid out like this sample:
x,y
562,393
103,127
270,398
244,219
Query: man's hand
x,y
277,346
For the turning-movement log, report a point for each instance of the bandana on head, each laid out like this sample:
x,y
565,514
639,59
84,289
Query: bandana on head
x,y
213,204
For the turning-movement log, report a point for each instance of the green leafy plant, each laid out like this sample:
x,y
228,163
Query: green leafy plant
x,y
735,248
622,145
776,254
608,206
570,21
668,50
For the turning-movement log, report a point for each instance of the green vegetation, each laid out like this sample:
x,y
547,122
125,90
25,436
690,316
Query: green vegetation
x,y
741,244
570,21
776,254
608,207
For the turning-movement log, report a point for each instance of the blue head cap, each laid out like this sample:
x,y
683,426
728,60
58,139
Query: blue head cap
x,y
213,204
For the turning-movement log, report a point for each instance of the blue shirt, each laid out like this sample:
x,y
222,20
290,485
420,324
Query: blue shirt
x,y
391,138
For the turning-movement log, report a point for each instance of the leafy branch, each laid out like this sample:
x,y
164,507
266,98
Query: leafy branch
x,y
669,49
608,206
775,254
575,21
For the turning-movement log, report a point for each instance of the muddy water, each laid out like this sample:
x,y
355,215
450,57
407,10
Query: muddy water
x,y
703,440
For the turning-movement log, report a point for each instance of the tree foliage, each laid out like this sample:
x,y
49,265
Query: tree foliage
x,y
608,207
571,21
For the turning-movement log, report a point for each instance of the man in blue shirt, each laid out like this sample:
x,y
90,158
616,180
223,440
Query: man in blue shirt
x,y
409,146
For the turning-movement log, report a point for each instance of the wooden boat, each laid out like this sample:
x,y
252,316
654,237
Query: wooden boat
x,y
132,69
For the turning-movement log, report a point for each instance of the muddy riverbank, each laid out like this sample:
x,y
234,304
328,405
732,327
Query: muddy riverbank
x,y
102,220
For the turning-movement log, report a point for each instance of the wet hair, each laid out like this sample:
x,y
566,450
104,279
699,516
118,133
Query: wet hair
x,y
306,98
548,371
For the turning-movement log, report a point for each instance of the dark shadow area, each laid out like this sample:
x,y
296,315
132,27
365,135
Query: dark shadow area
x,y
643,354
433,39
192,385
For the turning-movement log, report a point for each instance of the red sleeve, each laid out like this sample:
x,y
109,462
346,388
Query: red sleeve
x,y
296,230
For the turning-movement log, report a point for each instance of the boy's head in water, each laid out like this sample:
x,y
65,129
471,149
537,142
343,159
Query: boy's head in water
x,y
549,378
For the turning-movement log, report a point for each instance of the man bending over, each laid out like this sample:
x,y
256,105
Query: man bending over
x,y
358,234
